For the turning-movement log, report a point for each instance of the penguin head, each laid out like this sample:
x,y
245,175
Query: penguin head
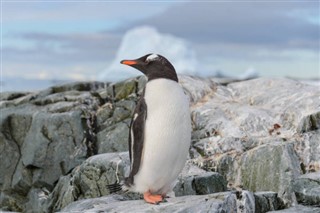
x,y
154,66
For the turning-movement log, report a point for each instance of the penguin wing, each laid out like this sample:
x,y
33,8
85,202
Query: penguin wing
x,y
136,137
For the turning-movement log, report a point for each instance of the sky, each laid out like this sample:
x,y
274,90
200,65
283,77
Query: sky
x,y
77,40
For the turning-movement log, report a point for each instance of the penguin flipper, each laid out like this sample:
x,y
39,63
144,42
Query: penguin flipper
x,y
136,138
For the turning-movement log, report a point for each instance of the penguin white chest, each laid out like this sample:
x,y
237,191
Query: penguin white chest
x,y
167,136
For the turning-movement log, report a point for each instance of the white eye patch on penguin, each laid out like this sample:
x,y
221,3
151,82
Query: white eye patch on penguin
x,y
152,57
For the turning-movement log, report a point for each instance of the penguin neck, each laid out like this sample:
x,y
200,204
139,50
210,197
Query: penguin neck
x,y
164,75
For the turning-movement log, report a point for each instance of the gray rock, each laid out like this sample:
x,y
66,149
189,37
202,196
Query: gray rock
x,y
259,172
245,109
260,134
217,203
307,188
8,96
123,89
199,90
267,201
239,201
308,150
113,138
89,180
298,209
79,86
43,136
57,145
113,118
36,199
239,126
202,184
205,203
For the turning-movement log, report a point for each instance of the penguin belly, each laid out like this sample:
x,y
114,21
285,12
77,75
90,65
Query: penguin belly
x,y
167,137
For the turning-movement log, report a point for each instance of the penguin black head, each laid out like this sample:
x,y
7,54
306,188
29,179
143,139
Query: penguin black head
x,y
153,66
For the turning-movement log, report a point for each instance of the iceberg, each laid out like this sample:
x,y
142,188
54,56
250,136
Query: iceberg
x,y
142,40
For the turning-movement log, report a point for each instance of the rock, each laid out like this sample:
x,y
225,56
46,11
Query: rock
x,y
239,126
36,199
113,118
245,109
217,202
8,96
254,135
44,135
239,202
307,188
199,90
114,138
308,150
298,209
201,184
124,89
267,201
259,172
89,180
79,86
47,126
205,203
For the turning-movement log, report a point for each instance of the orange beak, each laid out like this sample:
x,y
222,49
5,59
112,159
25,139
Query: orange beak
x,y
128,62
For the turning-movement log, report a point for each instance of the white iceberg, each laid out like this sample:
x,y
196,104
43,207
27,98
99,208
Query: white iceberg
x,y
143,40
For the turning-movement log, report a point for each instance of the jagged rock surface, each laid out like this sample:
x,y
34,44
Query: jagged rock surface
x,y
258,135
43,136
214,203
307,188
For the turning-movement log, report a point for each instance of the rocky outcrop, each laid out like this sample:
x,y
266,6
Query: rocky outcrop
x,y
255,147
212,203
260,134
43,136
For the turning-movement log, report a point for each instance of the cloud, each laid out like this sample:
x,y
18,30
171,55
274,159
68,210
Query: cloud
x,y
277,38
49,48
74,16
56,39
272,24
59,56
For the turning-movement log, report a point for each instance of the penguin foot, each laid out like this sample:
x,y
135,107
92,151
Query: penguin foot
x,y
153,199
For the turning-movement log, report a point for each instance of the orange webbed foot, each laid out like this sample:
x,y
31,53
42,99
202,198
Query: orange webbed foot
x,y
153,199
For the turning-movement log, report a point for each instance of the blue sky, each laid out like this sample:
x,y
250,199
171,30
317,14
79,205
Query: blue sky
x,y
78,39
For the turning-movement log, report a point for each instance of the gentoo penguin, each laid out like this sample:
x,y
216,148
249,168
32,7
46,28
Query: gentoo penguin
x,y
160,131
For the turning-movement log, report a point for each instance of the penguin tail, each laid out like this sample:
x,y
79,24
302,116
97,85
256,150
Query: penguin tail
x,y
115,187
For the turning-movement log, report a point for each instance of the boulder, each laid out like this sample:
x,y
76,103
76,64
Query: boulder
x,y
307,188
